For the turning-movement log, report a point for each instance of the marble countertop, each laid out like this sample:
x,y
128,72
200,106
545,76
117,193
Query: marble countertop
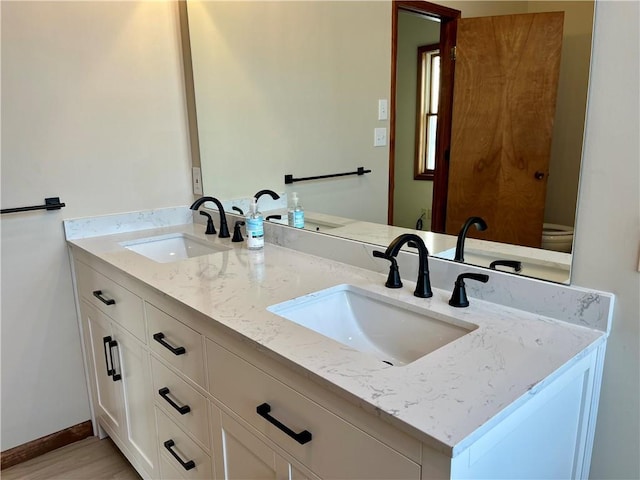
x,y
446,399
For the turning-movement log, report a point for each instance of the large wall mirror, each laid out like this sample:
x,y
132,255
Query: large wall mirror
x,y
294,87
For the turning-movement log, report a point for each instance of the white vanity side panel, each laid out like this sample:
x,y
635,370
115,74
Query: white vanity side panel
x,y
543,439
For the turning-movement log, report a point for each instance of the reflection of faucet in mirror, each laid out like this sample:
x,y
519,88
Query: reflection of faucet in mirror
x,y
479,223
273,217
271,193
224,229
237,209
515,264
423,284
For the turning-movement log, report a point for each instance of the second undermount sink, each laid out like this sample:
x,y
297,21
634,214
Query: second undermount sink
x,y
172,247
395,332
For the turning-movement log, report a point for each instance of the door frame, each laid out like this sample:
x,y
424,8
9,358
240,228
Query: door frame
x,y
448,23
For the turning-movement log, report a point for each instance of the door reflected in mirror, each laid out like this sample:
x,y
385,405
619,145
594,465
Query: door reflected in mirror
x,y
294,87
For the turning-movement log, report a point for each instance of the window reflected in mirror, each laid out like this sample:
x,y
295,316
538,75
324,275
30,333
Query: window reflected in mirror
x,y
427,114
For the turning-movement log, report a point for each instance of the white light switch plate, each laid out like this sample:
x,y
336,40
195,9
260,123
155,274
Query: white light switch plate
x,y
383,109
379,137
197,180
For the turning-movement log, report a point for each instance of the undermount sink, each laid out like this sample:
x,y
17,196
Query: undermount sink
x,y
395,332
538,268
172,247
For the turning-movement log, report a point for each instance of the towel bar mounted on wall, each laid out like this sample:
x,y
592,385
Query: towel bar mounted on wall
x,y
51,203
289,178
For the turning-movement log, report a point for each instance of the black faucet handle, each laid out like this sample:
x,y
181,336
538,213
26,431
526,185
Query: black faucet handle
x,y
210,227
459,295
237,233
515,264
273,217
393,280
237,209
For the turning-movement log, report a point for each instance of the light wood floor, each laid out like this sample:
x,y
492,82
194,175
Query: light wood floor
x,y
88,459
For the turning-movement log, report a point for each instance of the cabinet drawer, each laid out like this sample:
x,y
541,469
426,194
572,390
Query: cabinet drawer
x,y
176,343
195,421
337,449
185,448
167,470
117,302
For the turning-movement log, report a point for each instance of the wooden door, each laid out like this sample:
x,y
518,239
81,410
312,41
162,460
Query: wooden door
x,y
504,103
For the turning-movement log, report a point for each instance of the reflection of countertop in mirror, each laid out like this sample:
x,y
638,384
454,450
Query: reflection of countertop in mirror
x,y
536,262
446,399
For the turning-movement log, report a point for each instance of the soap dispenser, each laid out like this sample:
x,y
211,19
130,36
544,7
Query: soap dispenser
x,y
295,212
255,227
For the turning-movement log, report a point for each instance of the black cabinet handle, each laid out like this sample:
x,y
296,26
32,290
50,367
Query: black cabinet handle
x,y
106,301
186,465
164,393
302,437
114,376
159,337
105,343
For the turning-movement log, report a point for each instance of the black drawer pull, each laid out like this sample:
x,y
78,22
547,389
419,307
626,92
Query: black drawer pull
x,y
186,465
114,376
159,337
164,393
106,301
105,342
302,437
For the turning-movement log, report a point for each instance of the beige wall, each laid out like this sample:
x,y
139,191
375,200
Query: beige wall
x,y
608,229
93,112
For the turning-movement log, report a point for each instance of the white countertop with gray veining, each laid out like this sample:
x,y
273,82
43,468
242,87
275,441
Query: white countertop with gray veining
x,y
447,398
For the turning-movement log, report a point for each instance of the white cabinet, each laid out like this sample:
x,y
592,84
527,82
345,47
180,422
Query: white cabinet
x,y
242,455
184,398
317,438
99,344
120,370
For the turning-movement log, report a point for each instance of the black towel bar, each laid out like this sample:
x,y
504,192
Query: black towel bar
x,y
289,178
51,203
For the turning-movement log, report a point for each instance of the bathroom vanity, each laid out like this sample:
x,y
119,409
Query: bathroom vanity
x,y
198,369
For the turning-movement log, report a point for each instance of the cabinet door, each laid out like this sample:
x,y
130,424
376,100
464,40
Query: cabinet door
x,y
108,406
242,456
139,428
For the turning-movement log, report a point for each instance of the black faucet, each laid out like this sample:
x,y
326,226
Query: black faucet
x,y
479,223
459,295
211,229
224,229
271,193
423,284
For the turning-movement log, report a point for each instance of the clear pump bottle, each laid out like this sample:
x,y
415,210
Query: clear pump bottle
x,y
295,212
255,227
